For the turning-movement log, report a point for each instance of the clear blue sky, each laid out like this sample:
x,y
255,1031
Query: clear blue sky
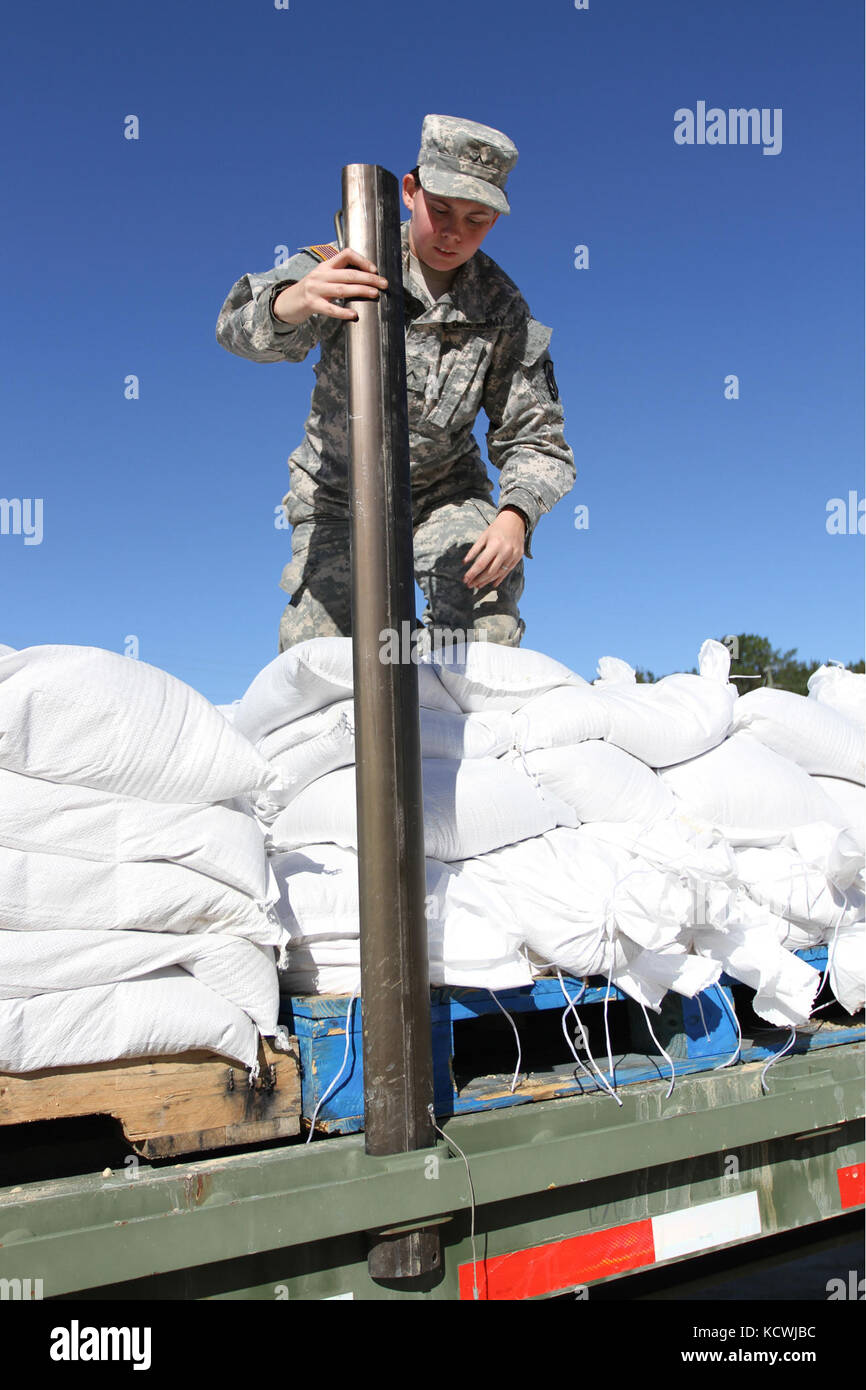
x,y
707,515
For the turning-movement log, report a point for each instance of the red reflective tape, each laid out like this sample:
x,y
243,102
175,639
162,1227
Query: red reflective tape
x,y
561,1264
851,1185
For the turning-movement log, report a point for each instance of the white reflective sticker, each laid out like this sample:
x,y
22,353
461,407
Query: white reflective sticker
x,y
701,1228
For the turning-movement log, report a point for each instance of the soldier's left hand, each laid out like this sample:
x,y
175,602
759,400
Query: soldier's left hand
x,y
496,552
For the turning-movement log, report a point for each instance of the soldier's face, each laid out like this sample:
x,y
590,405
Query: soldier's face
x,y
445,232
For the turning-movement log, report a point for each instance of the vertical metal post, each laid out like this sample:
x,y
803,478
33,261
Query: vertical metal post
x,y
398,1064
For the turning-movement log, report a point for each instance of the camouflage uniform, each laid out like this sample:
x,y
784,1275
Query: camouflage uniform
x,y
475,348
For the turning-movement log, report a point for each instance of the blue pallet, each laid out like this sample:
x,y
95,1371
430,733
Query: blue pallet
x,y
818,1032
697,1034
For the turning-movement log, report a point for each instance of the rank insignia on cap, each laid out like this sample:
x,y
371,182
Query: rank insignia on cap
x,y
323,252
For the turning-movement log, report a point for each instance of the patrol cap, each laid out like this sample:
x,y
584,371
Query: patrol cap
x,y
462,159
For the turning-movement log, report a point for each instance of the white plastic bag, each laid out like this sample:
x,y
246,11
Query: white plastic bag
x,y
57,818
812,734
601,782
242,973
51,892
844,691
92,717
848,967
308,677
678,717
469,807
164,1013
753,795
494,677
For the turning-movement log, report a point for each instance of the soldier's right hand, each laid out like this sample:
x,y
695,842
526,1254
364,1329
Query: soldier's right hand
x,y
346,275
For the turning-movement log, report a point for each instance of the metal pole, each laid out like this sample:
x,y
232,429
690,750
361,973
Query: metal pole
x,y
398,1064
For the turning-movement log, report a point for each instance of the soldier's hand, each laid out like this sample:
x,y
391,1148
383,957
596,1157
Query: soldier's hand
x,y
496,552
347,275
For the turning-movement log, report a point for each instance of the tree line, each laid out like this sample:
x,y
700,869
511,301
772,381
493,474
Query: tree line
x,y
755,662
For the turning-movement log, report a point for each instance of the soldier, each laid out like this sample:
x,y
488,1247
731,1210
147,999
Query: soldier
x,y
471,345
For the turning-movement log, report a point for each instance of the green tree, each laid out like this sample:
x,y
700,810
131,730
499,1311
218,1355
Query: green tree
x,y
756,662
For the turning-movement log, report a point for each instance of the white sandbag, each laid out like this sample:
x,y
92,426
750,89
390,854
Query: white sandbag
x,y
850,797
318,892
793,889
309,676
303,764
164,1013
566,715
481,734
797,938
228,711
443,735
325,979
310,726
847,957
325,740
470,807
648,975
52,892
844,691
753,795
678,717
601,782
245,975
319,905
815,736
831,851
223,841
493,677
6,651
473,940
785,986
92,717
591,909
451,959
691,849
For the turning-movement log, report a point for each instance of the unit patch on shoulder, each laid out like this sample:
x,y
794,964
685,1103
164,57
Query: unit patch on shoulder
x,y
323,252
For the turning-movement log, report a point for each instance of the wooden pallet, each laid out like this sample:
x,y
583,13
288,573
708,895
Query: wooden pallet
x,y
168,1105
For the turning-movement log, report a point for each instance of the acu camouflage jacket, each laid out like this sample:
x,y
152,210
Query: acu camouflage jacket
x,y
476,348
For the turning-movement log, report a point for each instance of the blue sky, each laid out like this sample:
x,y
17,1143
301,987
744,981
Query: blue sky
x,y
706,515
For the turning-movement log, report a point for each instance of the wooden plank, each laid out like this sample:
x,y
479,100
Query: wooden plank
x,y
167,1105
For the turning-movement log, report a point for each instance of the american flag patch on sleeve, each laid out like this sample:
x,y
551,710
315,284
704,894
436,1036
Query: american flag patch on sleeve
x,y
324,252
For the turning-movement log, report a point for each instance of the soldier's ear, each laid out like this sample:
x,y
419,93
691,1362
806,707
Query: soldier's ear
x,y
410,190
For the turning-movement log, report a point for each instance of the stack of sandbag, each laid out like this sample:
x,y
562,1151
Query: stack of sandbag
x,y
785,789
471,943
300,712
496,828
136,901
640,831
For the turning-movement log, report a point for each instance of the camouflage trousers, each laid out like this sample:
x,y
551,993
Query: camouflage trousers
x,y
319,579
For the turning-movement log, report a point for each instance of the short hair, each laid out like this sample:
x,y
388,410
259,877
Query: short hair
x,y
416,175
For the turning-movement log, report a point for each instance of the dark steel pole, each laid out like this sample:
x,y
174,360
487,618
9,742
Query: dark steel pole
x,y
398,1064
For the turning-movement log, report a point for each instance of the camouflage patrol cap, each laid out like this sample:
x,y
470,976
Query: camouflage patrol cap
x,y
462,159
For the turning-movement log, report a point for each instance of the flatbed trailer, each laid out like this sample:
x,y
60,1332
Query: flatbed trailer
x,y
551,1196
